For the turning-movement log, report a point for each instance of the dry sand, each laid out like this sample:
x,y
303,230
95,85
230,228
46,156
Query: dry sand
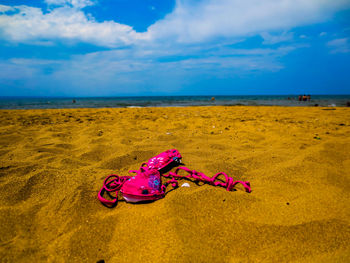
x,y
297,159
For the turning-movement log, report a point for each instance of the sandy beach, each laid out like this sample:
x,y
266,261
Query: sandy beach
x,y
297,160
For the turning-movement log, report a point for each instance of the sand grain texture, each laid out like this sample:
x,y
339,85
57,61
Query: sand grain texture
x,y
297,159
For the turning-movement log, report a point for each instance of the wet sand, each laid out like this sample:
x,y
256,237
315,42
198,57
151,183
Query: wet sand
x,y
297,159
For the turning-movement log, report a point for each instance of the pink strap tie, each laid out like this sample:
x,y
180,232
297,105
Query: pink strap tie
x,y
113,185
229,184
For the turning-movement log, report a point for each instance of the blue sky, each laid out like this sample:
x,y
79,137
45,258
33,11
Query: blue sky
x,y
168,47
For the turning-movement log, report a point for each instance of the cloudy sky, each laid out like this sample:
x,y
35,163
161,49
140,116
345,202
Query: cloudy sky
x,y
168,47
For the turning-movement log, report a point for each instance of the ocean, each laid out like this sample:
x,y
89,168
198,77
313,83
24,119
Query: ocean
x,y
170,101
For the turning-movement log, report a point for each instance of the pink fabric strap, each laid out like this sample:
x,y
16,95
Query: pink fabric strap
x,y
111,185
229,184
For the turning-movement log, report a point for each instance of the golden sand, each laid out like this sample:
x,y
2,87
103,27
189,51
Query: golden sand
x,y
297,159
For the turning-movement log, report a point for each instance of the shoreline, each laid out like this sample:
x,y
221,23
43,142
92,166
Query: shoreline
x,y
170,107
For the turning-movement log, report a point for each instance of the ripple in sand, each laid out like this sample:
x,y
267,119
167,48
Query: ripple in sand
x,y
235,171
135,157
209,217
97,154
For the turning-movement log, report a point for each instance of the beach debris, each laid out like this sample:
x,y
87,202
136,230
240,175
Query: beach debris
x,y
146,185
100,133
287,203
168,133
317,138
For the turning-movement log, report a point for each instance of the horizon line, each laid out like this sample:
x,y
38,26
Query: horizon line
x,y
138,96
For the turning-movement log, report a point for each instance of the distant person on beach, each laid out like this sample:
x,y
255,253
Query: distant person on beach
x,y
304,98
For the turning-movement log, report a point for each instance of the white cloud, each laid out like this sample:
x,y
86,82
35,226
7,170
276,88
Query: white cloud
x,y
31,24
270,39
322,34
141,69
5,8
72,3
193,21
339,45
190,22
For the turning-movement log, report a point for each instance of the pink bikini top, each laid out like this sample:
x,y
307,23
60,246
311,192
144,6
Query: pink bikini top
x,y
146,184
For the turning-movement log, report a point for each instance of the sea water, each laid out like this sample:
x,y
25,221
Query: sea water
x,y
169,101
